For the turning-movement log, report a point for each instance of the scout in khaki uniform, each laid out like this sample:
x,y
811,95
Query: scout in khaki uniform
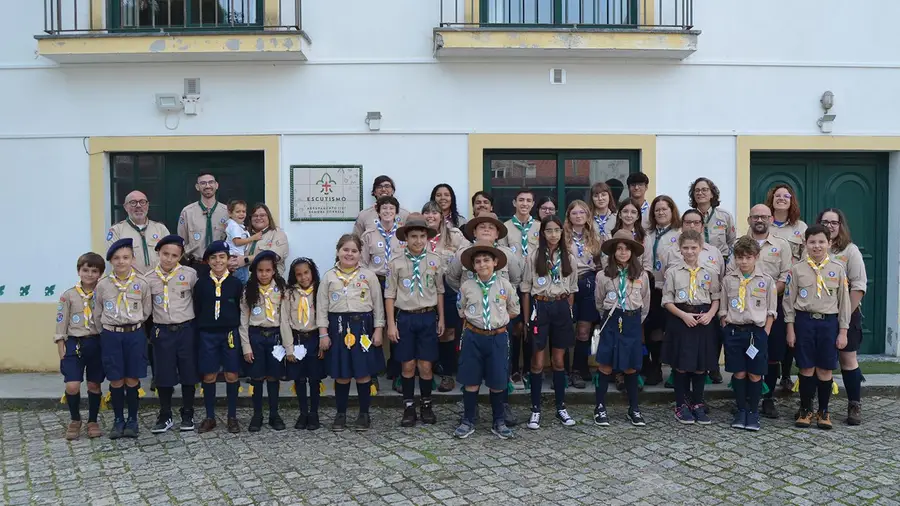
x,y
123,302
747,312
78,341
638,182
817,312
414,306
272,238
202,222
585,244
260,332
350,318
383,186
623,298
548,292
300,339
174,336
602,209
486,303
718,224
662,236
145,233
217,298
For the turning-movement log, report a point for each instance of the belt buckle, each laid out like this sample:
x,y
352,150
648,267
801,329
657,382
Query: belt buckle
x,y
817,316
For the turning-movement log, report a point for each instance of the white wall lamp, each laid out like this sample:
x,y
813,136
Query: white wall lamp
x,y
826,122
373,119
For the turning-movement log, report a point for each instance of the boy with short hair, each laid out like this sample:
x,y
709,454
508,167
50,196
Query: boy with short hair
x,y
78,342
124,301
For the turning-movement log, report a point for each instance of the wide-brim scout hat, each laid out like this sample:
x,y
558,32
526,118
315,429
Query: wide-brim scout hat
x,y
213,248
482,247
484,218
263,255
415,221
170,239
116,246
622,236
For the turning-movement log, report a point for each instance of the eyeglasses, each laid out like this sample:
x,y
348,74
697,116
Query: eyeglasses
x,y
204,184
136,203
553,231
701,190
829,223
759,217
691,222
549,209
385,186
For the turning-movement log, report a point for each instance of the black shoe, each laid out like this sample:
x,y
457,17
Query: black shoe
x,y
576,381
426,414
654,375
163,424
312,422
187,420
255,423
339,423
131,429
509,416
716,376
768,408
363,422
118,429
635,418
601,418
276,422
301,422
409,416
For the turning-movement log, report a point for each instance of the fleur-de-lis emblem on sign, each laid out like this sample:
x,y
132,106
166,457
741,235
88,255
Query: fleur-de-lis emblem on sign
x,y
326,183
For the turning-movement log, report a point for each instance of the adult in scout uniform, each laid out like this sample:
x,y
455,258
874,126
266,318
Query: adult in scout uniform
x,y
202,222
603,210
380,244
482,202
817,312
774,260
174,336
300,338
718,224
124,297
78,342
445,197
585,244
546,206
414,307
383,186
665,227
844,252
486,303
272,238
747,312
144,232
637,189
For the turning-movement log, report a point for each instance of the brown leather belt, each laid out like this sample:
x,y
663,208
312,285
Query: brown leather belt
x,y
484,332
545,298
419,311
123,328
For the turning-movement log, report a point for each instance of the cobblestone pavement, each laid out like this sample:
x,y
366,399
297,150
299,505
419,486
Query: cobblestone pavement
x,y
664,463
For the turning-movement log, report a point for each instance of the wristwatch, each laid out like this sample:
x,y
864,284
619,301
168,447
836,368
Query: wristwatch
x,y
246,260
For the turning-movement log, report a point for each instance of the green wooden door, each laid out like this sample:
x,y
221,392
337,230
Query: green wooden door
x,y
857,184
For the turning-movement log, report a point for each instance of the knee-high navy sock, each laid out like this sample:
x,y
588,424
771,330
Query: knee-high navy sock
x,y
698,382
601,388
93,406
231,395
740,392
537,383
678,382
425,388
188,392
300,387
580,358
559,389
807,391
447,356
273,387
772,378
655,350
209,399
257,396
527,347
754,392
853,384
74,402
131,397
341,396
117,398
314,397
824,394
364,391
470,402
165,400
408,386
631,386
787,363
497,408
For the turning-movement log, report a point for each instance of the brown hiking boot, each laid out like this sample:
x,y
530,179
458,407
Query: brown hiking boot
x,y
233,426
804,419
823,420
854,413
447,384
207,425
73,430
93,430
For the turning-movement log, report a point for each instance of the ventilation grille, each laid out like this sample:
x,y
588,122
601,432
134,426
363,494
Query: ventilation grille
x,y
191,86
557,76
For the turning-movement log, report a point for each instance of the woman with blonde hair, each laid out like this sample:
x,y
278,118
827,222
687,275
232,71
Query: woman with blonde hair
x,y
584,242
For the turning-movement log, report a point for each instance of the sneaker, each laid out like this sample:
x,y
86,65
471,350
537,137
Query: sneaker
x,y
448,384
700,414
601,418
563,416
635,418
300,424
131,429
804,419
232,426
823,420
163,424
464,430
502,431
276,423
73,430
187,420
312,422
508,416
684,415
752,421
576,381
207,425
716,376
426,413
768,408
409,416
740,420
620,382
93,430
118,429
363,422
787,384
854,413
517,381
255,423
534,423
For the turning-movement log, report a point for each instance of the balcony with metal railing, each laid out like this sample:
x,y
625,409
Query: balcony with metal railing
x,y
656,29
124,31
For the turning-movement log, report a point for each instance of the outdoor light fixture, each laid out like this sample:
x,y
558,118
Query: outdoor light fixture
x,y
168,102
373,119
826,122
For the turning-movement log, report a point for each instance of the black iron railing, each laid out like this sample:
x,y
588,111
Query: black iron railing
x,y
614,14
167,16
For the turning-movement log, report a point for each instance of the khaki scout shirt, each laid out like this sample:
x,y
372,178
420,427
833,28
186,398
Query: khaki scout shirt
x,y
137,297
793,234
800,293
720,229
373,255
290,317
70,320
678,282
502,299
664,242
446,245
274,240
637,294
774,258
709,257
584,257
366,219
181,302
362,294
153,231
513,239
401,287
545,285
760,298
256,317
608,226
192,227
852,261
512,271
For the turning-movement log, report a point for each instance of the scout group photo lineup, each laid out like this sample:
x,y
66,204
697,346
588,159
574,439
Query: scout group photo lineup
x,y
602,291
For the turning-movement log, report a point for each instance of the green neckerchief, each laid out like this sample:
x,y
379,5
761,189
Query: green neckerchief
x,y
417,274
659,233
555,265
209,216
253,246
485,299
143,235
623,284
712,211
523,229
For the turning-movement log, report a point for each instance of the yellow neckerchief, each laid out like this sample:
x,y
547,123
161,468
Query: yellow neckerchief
x,y
345,276
218,283
87,299
165,278
123,288
692,286
266,294
820,281
742,291
303,304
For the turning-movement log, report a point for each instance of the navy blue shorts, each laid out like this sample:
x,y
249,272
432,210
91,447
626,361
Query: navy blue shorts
x,y
418,337
737,340
855,332
621,350
262,341
83,359
816,344
778,336
219,351
175,355
483,359
585,307
310,368
124,354
451,315
553,323
353,362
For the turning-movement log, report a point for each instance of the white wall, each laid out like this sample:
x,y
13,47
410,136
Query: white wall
x,y
682,159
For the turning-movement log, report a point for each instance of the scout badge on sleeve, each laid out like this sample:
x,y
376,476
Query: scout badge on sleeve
x,y
595,338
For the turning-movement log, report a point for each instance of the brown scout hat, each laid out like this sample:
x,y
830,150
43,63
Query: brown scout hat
x,y
609,246
469,229
414,221
482,247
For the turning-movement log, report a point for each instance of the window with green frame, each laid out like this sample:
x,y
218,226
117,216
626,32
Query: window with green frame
x,y
190,15
564,175
559,12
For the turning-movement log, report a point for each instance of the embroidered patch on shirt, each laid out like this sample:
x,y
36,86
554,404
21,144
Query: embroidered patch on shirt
x,y
335,296
803,293
257,311
76,318
109,305
196,236
158,299
471,309
734,303
682,294
541,281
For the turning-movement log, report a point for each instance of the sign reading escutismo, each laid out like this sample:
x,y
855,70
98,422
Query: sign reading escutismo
x,y
326,192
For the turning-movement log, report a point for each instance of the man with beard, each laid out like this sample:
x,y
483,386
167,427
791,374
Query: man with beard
x,y
202,222
143,232
382,187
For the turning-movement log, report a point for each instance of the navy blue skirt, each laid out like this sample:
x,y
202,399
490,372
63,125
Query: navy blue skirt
x,y
355,361
622,349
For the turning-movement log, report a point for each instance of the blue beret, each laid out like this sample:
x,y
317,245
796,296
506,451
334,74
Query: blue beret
x,y
170,239
116,246
215,247
263,255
